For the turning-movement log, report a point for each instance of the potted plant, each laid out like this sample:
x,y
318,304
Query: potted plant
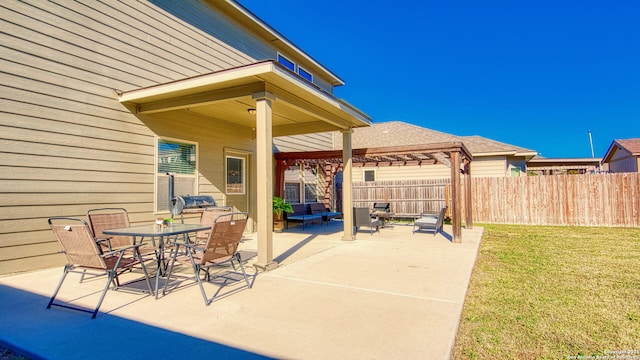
x,y
279,208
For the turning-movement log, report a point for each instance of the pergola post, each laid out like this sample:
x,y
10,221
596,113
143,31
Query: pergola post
x,y
264,163
457,197
467,202
347,186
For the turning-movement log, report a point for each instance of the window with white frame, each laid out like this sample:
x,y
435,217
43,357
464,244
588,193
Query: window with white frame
x,y
235,175
292,192
287,63
310,192
305,74
294,67
178,157
369,175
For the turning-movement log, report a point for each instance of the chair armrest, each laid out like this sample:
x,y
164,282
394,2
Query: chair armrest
x,y
106,240
121,250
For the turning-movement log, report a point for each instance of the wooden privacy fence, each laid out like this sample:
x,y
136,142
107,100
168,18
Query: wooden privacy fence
x,y
406,197
588,200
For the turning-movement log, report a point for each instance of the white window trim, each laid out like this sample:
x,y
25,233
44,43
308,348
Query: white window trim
x,y
156,155
295,65
244,174
296,68
300,68
300,189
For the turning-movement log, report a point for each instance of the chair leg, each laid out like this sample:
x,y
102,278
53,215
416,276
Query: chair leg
x,y
66,270
196,270
174,254
112,274
246,279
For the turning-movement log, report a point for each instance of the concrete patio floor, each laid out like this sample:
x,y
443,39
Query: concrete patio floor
x,y
390,295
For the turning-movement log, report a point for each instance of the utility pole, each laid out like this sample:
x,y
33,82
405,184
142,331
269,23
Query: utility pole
x,y
593,156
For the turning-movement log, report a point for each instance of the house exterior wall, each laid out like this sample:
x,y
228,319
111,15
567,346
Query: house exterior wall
x,y
489,166
68,145
623,161
305,142
516,166
410,172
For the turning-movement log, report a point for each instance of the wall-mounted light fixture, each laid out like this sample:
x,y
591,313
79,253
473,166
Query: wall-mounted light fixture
x,y
251,111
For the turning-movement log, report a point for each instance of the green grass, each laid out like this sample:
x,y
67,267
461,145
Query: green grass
x,y
540,292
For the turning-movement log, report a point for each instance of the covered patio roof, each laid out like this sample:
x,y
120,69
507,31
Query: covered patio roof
x,y
451,154
280,103
226,95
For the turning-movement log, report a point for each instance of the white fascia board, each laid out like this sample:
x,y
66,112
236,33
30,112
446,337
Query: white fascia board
x,y
196,82
283,39
337,103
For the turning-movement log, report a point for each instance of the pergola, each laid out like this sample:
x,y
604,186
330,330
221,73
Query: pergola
x,y
452,154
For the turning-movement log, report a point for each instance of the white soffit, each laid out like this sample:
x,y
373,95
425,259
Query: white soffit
x,y
271,75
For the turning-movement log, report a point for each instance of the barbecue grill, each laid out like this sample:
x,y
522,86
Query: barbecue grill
x,y
180,204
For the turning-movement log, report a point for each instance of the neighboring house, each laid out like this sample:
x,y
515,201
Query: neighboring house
x,y
100,101
561,166
490,158
623,156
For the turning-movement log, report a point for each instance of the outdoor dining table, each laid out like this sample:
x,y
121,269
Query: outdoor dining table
x,y
142,232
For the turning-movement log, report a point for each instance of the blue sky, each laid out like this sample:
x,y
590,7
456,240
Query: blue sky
x,y
535,74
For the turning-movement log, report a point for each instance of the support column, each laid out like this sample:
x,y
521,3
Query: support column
x,y
264,176
347,186
457,197
467,203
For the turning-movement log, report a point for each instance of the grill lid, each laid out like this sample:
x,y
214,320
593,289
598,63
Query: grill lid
x,y
181,202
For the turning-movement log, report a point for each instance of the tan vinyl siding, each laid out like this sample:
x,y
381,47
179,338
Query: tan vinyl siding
x,y
66,143
490,166
307,142
480,167
387,173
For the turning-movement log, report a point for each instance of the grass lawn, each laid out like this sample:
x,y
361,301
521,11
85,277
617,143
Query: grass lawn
x,y
541,292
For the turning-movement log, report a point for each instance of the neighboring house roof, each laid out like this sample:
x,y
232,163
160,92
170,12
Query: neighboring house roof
x,y
630,145
398,133
480,146
542,163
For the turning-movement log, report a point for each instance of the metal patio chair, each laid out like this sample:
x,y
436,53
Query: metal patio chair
x,y
431,222
220,248
109,218
362,217
84,254
112,218
208,217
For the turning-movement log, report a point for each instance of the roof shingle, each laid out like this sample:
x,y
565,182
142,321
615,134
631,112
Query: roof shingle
x,y
398,133
631,145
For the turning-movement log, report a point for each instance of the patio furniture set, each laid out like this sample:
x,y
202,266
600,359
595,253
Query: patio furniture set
x,y
376,218
309,214
106,244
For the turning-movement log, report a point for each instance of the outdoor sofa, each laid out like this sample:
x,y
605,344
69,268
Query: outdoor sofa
x,y
302,214
320,209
